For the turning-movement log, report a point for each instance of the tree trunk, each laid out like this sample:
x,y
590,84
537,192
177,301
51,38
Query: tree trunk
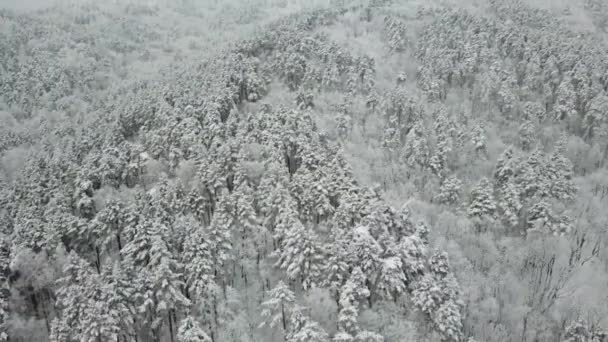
x,y
98,263
119,242
170,326
283,317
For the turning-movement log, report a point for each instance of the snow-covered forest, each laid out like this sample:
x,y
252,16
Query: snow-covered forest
x,y
303,171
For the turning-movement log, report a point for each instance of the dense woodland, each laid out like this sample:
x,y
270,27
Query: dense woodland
x,y
346,171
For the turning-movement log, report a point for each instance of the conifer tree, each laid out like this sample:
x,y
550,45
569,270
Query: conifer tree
x,y
301,256
190,330
198,265
303,329
482,203
510,203
449,192
277,308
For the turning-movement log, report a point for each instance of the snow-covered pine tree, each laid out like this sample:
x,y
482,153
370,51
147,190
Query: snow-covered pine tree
x,y
416,149
437,295
482,203
506,166
303,329
449,191
278,306
365,251
198,264
190,330
301,256
247,222
219,235
510,203
336,267
580,331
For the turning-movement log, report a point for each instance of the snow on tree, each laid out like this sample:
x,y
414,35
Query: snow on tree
x,y
190,330
343,125
534,111
506,98
303,329
579,331
565,107
527,133
301,255
165,285
391,278
336,267
395,34
509,203
560,171
246,221
482,203
277,308
219,234
108,224
392,134
449,191
478,139
506,166
416,149
438,162
198,264
92,309
352,292
412,251
542,218
596,115
448,321
437,295
347,316
365,251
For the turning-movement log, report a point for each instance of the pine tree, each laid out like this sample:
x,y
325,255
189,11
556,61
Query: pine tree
x,y
438,162
107,226
83,316
198,265
277,307
348,328
303,329
159,275
527,133
449,191
416,149
219,235
301,256
579,331
165,283
336,268
347,316
482,203
365,252
505,166
190,330
250,229
391,278
510,203
560,171
437,295
478,139
412,251
565,106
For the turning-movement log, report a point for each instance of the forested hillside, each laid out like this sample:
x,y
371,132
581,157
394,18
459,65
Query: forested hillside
x,y
347,171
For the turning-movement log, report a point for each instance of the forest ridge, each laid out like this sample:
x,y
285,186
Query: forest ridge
x,y
274,170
